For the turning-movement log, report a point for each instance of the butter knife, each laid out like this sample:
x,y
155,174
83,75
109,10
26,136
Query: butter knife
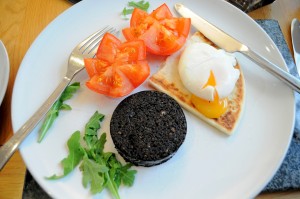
x,y
295,32
230,44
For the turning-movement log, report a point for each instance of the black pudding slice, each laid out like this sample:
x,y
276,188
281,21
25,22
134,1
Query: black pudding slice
x,y
147,128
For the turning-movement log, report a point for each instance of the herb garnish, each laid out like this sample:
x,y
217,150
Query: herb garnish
x,y
99,169
140,4
132,4
56,107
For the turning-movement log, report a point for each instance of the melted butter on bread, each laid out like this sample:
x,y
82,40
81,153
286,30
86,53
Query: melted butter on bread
x,y
167,80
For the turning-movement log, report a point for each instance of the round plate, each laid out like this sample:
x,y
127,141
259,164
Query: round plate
x,y
4,70
208,164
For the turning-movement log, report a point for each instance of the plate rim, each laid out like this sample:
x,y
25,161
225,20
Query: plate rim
x,y
51,24
6,69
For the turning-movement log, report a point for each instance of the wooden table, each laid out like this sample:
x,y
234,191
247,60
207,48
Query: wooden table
x,y
20,23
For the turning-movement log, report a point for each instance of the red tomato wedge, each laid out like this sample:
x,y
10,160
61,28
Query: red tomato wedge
x,y
162,33
118,67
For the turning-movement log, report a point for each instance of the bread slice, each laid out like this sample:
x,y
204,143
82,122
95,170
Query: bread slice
x,y
167,80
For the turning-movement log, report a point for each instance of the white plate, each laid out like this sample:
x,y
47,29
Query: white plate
x,y
208,164
4,70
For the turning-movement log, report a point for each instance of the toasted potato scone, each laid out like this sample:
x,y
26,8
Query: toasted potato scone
x,y
168,80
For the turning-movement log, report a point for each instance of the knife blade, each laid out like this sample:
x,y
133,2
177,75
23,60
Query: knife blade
x,y
295,32
230,44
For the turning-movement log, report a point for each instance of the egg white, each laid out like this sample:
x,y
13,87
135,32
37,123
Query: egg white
x,y
198,60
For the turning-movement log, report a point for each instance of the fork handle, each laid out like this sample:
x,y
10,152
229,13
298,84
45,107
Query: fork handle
x,y
8,149
284,76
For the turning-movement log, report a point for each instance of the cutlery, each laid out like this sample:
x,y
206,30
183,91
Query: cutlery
x,y
86,49
230,44
295,32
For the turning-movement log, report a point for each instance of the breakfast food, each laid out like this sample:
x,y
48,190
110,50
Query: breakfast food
x,y
219,104
162,33
147,128
118,68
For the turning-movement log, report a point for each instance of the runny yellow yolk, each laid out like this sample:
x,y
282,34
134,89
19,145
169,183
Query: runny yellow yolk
x,y
211,109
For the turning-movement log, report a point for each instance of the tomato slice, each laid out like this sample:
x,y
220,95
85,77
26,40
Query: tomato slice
x,y
108,48
162,12
137,17
131,51
162,33
95,66
137,72
162,41
182,25
112,83
118,67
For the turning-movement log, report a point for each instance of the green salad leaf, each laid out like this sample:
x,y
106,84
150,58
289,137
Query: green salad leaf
x,y
127,11
127,175
99,169
76,153
132,4
91,171
140,4
56,107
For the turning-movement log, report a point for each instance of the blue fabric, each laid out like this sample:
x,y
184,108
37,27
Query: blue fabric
x,y
288,175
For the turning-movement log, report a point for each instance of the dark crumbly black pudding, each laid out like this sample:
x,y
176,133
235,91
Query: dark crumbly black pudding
x,y
147,128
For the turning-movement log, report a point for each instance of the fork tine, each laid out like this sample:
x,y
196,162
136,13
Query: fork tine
x,y
93,46
91,42
88,40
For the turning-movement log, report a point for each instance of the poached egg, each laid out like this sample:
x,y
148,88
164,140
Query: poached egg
x,y
209,74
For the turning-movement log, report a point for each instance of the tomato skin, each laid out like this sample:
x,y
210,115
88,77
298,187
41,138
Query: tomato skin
x,y
111,83
118,67
130,34
160,41
162,12
108,47
137,17
162,33
95,66
136,73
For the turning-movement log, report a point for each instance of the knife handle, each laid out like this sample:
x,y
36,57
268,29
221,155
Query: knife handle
x,y
284,76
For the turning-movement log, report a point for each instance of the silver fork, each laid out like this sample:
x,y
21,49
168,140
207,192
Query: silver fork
x,y
86,49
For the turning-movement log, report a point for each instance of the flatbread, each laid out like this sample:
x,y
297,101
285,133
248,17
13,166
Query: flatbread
x,y
167,80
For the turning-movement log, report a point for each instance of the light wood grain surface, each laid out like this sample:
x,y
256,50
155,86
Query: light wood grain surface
x,y
20,23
